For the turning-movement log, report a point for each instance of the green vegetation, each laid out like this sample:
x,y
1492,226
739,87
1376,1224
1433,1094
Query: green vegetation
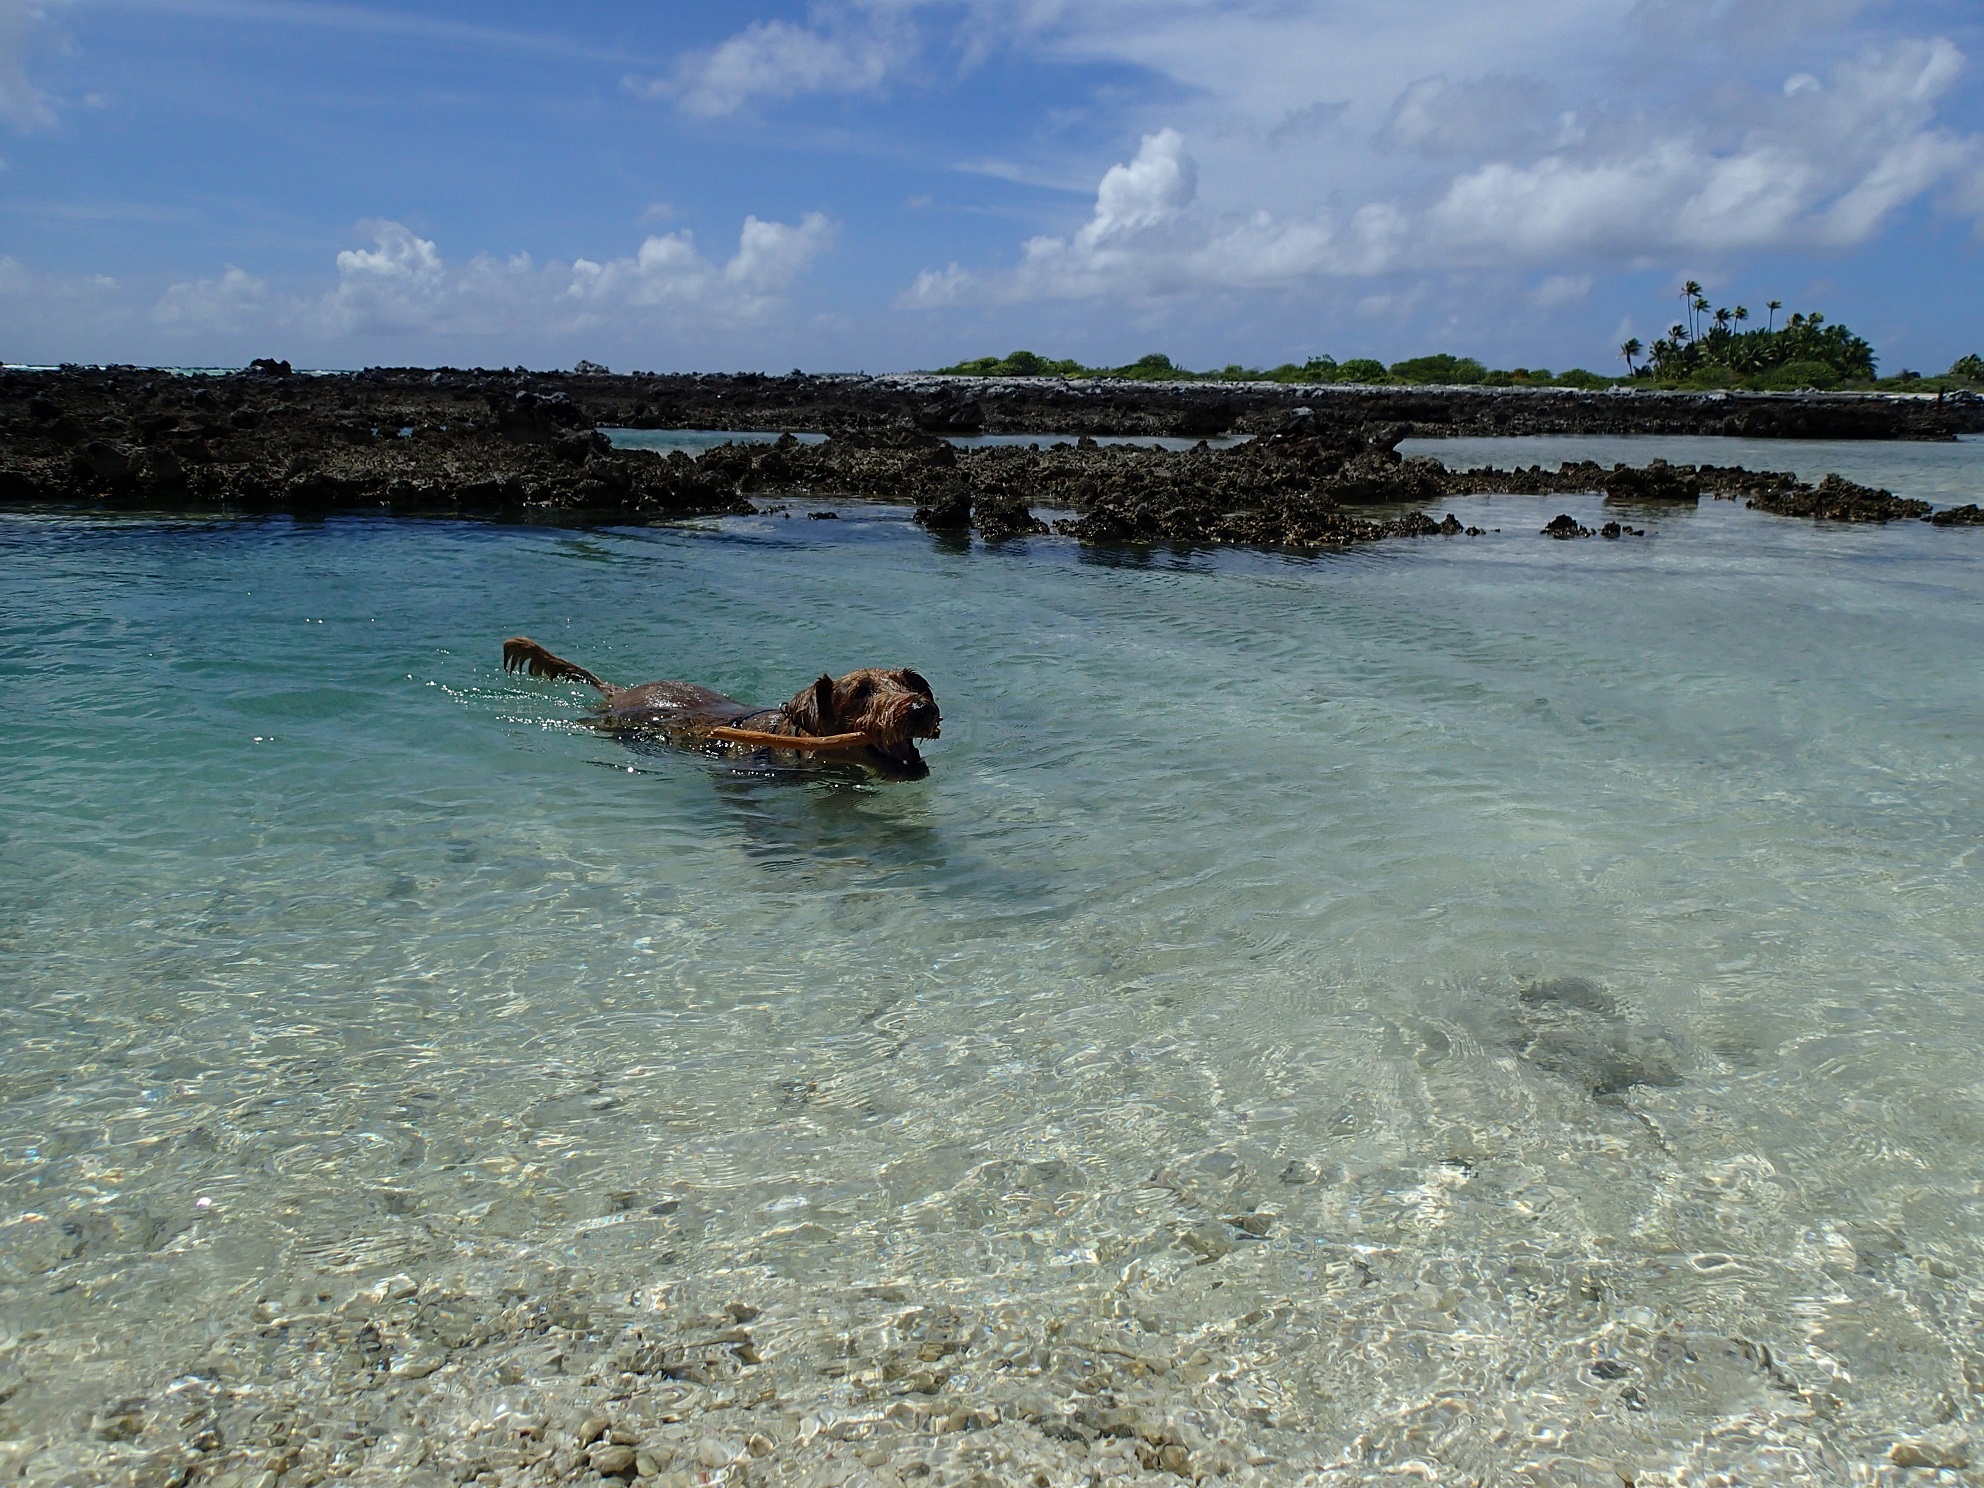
x,y
1018,364
1709,349
1712,350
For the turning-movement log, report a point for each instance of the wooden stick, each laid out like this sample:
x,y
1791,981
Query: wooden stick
x,y
788,741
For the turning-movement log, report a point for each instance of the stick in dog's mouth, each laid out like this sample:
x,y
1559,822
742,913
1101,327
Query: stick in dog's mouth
x,y
899,751
790,741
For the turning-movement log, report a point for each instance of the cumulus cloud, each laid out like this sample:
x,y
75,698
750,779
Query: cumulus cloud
x,y
842,52
669,272
1821,165
402,283
402,286
1145,239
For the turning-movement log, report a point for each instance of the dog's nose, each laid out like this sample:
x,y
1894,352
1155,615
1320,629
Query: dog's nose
x,y
921,713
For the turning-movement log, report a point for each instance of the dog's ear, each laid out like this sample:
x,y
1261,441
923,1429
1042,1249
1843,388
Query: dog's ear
x,y
813,710
914,682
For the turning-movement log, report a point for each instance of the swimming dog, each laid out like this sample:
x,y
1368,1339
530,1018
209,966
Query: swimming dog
x,y
873,716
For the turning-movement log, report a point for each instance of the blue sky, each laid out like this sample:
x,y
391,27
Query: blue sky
x,y
889,184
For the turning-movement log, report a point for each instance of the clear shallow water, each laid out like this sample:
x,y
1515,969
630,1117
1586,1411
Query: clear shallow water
x,y
1945,474
1215,916
694,441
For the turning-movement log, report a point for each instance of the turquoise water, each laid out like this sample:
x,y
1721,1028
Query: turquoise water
x,y
1512,1004
1943,474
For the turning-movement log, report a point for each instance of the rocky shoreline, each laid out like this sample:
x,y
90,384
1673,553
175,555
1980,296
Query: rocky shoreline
x,y
530,447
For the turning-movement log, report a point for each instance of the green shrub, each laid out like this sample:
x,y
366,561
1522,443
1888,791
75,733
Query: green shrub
x,y
1155,367
1969,368
1440,368
1797,376
1577,377
1015,364
1361,369
1315,369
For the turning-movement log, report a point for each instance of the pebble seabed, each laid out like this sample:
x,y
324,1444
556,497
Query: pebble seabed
x,y
1469,1321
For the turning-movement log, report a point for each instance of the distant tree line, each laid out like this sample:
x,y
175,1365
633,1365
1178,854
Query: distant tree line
x,y
1710,348
1160,368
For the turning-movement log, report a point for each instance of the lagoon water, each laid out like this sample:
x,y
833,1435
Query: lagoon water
x,y
693,442
1507,1005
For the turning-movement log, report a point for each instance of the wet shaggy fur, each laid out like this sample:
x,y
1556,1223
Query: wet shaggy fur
x,y
892,706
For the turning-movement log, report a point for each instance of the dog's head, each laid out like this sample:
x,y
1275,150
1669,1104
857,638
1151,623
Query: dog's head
x,y
893,706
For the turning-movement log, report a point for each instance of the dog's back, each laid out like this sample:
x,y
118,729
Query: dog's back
x,y
665,707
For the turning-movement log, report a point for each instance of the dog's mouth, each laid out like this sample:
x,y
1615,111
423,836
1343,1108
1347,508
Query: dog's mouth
x,y
899,751
898,747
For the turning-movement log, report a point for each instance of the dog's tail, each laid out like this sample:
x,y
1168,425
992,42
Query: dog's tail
x,y
522,654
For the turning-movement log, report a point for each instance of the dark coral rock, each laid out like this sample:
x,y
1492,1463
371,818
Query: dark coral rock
x,y
1659,481
1958,516
999,517
951,415
107,461
1836,499
1565,526
948,510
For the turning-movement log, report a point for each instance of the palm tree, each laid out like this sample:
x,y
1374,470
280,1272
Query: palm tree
x,y
1722,319
1691,294
1774,306
1629,350
1742,314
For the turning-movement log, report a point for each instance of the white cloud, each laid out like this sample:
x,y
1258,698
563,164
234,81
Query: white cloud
x,y
21,103
231,302
1144,239
53,312
1818,166
770,255
773,60
403,284
1152,189
935,287
1824,166
668,271
1437,117
403,287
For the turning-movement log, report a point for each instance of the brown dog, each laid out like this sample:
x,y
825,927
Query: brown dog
x,y
874,715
